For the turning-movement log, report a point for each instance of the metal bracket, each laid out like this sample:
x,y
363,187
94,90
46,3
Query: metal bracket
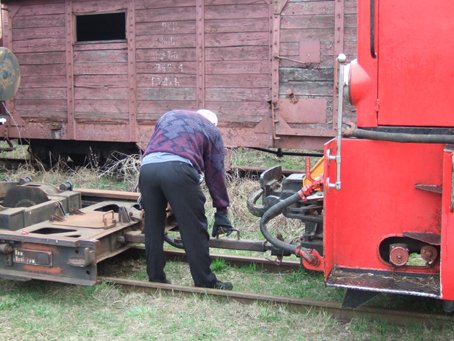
x,y
88,258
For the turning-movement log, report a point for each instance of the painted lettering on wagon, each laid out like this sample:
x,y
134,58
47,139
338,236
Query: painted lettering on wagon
x,y
168,67
19,257
165,81
169,26
32,257
166,40
167,55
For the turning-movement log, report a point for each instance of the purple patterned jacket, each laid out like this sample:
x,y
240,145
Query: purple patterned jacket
x,y
190,135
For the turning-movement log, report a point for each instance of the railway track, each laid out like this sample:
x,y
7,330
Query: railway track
x,y
271,265
301,305
298,304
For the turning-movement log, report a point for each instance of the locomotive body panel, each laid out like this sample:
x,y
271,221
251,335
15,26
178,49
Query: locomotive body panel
x,y
409,57
384,218
415,59
380,199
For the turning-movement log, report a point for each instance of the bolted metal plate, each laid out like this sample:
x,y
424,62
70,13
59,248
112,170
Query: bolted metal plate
x,y
9,74
32,257
93,219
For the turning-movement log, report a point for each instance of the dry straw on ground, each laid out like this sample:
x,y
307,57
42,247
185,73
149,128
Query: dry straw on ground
x,y
124,168
121,172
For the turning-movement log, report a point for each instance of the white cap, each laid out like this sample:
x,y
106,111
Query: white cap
x,y
209,115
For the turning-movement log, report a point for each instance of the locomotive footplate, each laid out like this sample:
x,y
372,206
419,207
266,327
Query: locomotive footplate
x,y
427,285
67,247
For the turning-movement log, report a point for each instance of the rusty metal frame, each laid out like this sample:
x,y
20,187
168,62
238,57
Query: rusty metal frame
x,y
131,38
64,253
200,52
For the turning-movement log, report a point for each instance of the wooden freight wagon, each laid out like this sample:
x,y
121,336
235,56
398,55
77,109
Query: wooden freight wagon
x,y
104,71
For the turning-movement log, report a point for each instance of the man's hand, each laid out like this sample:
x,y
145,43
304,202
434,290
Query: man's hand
x,y
222,224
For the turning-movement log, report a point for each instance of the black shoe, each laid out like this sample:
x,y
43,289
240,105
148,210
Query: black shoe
x,y
223,285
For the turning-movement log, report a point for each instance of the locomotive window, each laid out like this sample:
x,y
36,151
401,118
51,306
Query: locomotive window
x,y
99,27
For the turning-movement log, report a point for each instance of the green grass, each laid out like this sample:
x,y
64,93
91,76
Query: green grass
x,y
218,265
51,311
19,152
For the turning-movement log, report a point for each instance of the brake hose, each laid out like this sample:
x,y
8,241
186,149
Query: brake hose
x,y
271,213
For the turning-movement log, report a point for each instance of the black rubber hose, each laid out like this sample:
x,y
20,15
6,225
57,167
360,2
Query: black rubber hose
x,y
401,137
271,213
174,242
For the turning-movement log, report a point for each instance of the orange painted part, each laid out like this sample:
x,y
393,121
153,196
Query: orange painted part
x,y
315,172
320,264
39,247
43,269
378,199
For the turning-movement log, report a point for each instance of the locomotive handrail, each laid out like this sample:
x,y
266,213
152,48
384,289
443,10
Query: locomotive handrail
x,y
341,59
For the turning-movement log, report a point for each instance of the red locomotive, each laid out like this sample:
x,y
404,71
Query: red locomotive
x,y
387,185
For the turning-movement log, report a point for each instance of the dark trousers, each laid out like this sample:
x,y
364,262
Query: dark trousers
x,y
176,183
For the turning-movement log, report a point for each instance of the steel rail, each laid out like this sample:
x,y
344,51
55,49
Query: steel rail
x,y
296,304
263,263
268,264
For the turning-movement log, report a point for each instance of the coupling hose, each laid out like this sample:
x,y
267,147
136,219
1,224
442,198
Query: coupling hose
x,y
399,137
271,213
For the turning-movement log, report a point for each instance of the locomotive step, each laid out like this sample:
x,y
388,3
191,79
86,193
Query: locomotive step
x,y
426,285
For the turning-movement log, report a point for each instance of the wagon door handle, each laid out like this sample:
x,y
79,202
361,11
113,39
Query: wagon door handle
x,y
372,29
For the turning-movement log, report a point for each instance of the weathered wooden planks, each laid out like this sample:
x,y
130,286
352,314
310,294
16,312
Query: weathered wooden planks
x,y
183,54
100,80
307,67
